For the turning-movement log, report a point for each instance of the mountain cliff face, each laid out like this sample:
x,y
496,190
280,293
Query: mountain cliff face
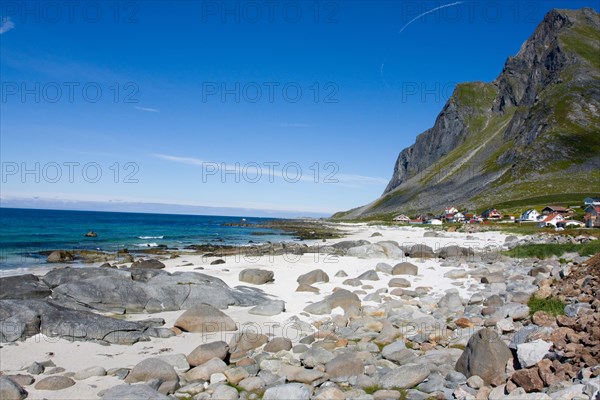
x,y
534,131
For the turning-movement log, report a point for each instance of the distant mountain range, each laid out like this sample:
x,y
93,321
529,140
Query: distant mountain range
x,y
534,131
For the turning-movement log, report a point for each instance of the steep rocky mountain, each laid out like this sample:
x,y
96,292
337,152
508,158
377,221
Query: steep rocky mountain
x,y
534,131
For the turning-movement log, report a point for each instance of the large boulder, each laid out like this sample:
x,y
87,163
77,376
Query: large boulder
x,y
205,318
23,287
486,356
60,276
256,276
10,390
317,275
348,244
20,319
148,264
421,251
455,252
204,371
206,352
367,251
58,256
247,341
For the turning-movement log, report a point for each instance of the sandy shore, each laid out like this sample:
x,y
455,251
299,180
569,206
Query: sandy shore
x,y
75,356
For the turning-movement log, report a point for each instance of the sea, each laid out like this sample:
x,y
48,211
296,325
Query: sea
x,y
25,234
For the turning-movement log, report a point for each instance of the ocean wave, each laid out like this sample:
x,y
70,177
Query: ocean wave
x,y
147,244
150,237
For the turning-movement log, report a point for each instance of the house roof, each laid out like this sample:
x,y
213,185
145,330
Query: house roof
x,y
556,208
550,217
595,208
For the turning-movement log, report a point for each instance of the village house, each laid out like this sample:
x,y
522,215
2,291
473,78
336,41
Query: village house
x,y
491,213
555,209
530,215
551,220
402,218
450,210
592,217
591,201
458,217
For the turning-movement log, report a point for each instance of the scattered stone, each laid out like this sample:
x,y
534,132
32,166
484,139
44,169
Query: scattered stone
x,y
133,392
217,262
531,353
341,274
247,341
35,369
307,288
384,267
204,371
268,308
528,379
318,275
152,368
89,372
54,383
369,275
58,256
296,391
344,366
405,377
405,268
208,351
205,318
277,344
256,276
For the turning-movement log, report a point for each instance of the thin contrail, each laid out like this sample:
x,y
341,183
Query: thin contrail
x,y
429,12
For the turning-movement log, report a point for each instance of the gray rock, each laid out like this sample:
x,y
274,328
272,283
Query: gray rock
x,y
369,275
20,379
399,282
315,356
343,367
23,287
398,352
352,282
24,318
152,368
421,251
225,392
405,268
451,301
177,361
278,344
148,264
341,274
486,356
384,267
133,392
208,351
405,377
205,318
55,382
318,275
10,390
300,374
269,308
295,391
348,244
58,256
35,369
204,371
367,251
60,276
245,341
89,372
531,353
348,301
252,383
256,276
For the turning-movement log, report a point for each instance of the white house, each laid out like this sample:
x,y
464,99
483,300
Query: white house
x,y
450,210
458,217
551,220
530,215
434,222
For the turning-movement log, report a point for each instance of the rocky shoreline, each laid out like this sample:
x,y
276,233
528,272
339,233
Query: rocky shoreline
x,y
386,313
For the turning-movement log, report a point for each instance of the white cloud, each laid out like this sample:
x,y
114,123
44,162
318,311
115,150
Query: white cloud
x,y
6,25
349,180
147,109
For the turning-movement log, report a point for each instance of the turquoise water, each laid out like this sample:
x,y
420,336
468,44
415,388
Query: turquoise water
x,y
26,232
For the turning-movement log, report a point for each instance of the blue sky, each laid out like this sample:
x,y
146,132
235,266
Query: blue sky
x,y
159,97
